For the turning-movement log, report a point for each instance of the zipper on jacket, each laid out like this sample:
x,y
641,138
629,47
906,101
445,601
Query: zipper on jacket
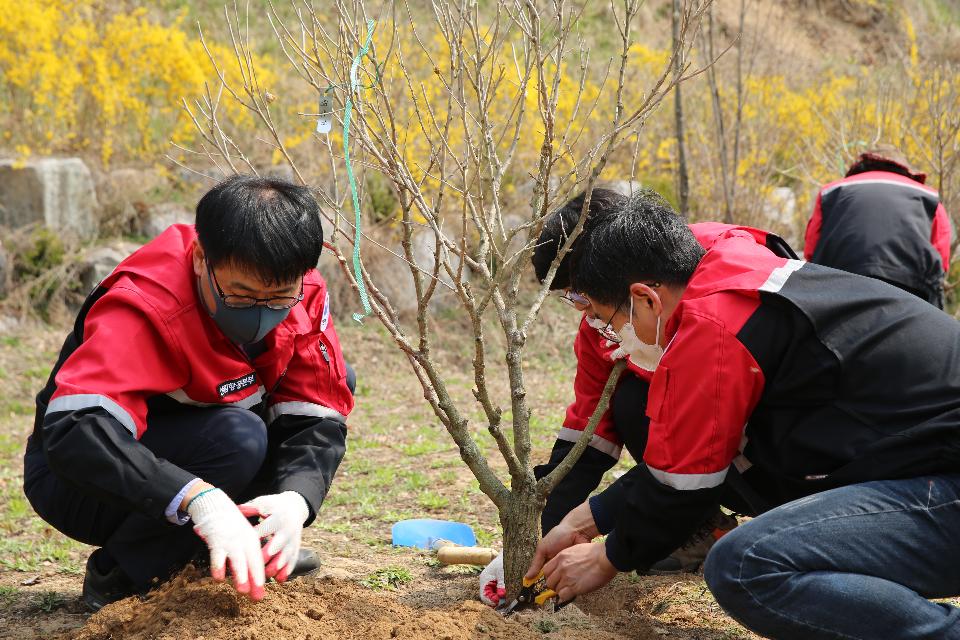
x,y
266,398
323,352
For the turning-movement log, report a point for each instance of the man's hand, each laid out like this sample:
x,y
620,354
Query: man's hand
x,y
576,528
284,515
218,521
492,588
579,569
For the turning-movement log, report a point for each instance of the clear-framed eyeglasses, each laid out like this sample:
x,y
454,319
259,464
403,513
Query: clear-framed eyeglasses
x,y
571,298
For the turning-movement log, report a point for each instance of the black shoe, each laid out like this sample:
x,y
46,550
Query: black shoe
x,y
308,562
100,589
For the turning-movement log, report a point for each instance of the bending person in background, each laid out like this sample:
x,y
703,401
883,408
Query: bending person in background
x,y
883,222
203,382
834,397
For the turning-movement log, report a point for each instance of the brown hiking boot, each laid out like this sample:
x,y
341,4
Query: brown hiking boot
x,y
693,552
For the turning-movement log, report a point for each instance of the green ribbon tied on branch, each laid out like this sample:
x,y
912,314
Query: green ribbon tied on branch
x,y
348,109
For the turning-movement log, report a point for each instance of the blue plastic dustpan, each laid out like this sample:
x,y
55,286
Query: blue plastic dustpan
x,y
423,533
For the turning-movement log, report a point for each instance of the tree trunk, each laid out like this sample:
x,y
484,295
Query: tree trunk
x,y
521,533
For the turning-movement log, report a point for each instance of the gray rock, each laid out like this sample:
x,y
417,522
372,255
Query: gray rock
x,y
130,184
780,216
781,206
56,192
8,324
393,277
280,172
100,262
200,176
157,217
122,194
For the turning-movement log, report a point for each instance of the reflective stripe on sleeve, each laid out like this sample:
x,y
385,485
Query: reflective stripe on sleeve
x,y
778,277
896,183
600,444
688,481
87,400
303,409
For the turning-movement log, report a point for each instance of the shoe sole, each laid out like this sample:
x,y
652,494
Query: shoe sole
x,y
673,572
92,605
305,574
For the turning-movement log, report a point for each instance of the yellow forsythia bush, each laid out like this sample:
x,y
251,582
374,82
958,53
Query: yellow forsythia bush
x,y
82,76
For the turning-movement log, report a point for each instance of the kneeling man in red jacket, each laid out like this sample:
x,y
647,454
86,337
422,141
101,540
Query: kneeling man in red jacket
x,y
203,382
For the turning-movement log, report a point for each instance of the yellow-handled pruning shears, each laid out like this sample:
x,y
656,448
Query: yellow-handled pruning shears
x,y
533,592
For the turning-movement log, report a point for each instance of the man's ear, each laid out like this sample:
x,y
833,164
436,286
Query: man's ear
x,y
197,258
646,296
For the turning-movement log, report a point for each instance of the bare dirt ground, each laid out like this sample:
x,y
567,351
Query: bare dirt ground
x,y
400,463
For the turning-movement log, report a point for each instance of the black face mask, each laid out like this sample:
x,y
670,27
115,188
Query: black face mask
x,y
242,326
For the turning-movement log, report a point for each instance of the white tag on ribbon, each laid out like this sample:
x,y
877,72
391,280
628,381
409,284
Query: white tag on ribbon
x,y
325,119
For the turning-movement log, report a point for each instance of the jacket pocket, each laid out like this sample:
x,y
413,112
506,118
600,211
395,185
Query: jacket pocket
x,y
658,397
313,360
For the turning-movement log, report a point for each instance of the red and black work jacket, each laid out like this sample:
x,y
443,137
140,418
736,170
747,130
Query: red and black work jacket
x,y
802,377
883,225
594,363
144,343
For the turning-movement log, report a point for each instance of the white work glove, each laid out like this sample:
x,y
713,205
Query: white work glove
x,y
616,354
283,517
230,537
492,587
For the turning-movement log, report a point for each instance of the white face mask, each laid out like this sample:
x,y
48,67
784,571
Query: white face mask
x,y
646,356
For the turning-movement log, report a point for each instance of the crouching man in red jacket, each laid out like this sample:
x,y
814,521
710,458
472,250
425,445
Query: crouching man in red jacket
x,y
203,382
833,397
625,424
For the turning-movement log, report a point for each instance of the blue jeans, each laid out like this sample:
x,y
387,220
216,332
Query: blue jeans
x,y
856,562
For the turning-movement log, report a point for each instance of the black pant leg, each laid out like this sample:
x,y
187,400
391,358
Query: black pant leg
x,y
64,506
629,407
351,378
224,446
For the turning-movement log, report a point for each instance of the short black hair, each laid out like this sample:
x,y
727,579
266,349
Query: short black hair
x,y
647,240
267,226
561,223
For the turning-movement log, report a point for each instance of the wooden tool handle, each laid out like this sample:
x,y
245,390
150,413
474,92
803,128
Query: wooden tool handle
x,y
480,556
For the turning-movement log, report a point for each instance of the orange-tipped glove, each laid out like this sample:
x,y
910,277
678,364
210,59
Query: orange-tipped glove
x,y
283,515
230,538
492,588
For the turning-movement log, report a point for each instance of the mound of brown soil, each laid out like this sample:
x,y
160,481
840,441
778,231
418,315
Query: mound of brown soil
x,y
198,608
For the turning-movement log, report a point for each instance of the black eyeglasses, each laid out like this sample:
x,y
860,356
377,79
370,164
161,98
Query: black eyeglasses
x,y
607,331
277,303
